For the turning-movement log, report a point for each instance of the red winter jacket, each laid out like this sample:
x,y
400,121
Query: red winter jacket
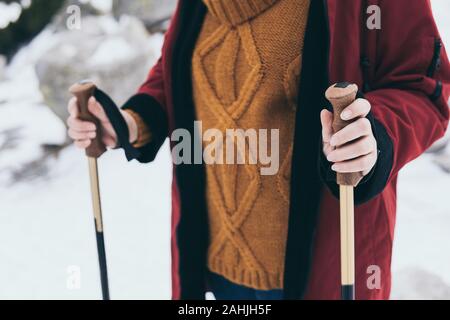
x,y
406,76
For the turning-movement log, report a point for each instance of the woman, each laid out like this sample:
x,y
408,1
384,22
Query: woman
x,y
265,64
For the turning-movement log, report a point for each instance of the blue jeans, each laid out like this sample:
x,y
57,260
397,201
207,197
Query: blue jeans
x,y
226,290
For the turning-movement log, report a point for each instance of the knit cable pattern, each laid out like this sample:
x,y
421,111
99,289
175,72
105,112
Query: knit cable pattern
x,y
246,70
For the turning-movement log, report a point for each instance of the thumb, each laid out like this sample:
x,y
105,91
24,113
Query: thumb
x,y
97,110
326,117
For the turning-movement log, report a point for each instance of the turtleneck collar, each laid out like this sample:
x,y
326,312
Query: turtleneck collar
x,y
235,12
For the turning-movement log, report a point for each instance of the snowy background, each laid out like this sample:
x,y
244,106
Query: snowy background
x,y
46,227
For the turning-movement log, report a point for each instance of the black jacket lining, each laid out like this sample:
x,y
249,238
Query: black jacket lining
x,y
306,185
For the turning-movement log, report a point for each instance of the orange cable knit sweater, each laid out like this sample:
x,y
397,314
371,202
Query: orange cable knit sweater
x,y
246,69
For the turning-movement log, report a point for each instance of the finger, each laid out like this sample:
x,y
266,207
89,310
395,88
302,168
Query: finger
x,y
109,142
326,117
79,125
354,150
362,164
97,110
73,107
353,131
358,109
82,135
327,149
82,144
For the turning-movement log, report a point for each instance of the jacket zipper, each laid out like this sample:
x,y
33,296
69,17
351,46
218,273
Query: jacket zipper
x,y
436,62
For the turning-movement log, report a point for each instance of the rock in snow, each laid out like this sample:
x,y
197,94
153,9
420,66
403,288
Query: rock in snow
x,y
151,12
116,55
419,284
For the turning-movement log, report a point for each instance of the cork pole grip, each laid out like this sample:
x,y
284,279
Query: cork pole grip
x,y
341,95
83,91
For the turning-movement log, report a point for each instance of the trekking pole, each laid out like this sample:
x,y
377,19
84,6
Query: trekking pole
x,y
83,91
341,95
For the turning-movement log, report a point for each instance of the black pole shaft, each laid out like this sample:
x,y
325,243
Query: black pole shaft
x,y
83,91
348,292
103,265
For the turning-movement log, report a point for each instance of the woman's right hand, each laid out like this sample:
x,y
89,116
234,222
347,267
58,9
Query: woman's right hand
x,y
83,132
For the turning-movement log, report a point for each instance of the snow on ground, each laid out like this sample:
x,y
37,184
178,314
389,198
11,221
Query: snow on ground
x,y
47,232
46,223
422,241
46,228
